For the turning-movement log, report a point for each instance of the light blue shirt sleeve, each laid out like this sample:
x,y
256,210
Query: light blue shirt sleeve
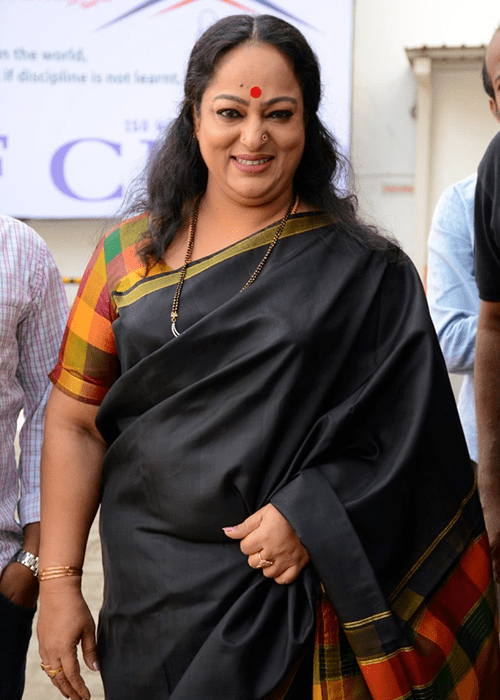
x,y
451,286
452,292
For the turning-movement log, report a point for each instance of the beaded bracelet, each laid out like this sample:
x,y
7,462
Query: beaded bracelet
x,y
59,572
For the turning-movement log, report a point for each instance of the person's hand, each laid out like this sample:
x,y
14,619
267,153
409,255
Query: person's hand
x,y
268,534
19,585
65,621
492,520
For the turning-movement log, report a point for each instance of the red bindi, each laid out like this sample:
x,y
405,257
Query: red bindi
x,y
256,91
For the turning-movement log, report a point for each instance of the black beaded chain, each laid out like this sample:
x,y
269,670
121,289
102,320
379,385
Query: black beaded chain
x,y
193,220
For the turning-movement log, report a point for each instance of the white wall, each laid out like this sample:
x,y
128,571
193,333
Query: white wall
x,y
384,94
463,126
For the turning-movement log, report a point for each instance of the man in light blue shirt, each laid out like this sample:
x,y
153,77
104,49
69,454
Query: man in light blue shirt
x,y
451,285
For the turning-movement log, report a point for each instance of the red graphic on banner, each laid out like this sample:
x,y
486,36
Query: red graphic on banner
x,y
182,3
188,2
84,4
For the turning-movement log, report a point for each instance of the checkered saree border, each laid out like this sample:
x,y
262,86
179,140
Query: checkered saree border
x,y
450,653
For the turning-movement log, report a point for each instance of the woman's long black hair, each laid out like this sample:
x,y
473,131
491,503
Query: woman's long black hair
x,y
176,173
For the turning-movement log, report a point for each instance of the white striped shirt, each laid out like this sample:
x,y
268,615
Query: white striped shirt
x,y
33,313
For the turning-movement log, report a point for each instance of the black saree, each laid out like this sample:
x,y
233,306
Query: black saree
x,y
320,389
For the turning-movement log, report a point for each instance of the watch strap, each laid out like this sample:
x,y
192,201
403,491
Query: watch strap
x,y
28,559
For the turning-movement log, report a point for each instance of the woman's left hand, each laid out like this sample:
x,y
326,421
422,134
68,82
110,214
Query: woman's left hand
x,y
268,534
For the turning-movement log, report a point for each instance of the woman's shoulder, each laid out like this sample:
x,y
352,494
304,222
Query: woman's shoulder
x,y
119,247
363,243
128,233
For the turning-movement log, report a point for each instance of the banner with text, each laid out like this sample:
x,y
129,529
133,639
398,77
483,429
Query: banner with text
x,y
86,86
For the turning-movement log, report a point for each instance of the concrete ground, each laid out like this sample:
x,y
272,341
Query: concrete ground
x,y
38,686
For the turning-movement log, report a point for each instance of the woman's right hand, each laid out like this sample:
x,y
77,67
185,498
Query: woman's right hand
x,y
64,622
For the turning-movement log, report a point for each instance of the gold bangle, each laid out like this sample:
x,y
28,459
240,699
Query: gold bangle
x,y
59,572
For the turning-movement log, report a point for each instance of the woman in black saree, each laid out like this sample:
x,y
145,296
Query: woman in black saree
x,y
251,388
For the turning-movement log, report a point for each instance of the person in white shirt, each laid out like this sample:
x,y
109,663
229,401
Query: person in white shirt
x,y
33,312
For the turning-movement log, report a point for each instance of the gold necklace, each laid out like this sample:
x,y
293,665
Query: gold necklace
x,y
193,220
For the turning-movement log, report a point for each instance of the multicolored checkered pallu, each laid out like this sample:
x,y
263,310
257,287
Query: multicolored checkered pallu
x,y
452,643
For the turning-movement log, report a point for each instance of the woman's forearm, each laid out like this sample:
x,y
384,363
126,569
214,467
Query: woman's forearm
x,y
70,477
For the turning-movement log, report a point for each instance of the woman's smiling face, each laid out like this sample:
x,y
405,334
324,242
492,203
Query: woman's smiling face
x,y
254,92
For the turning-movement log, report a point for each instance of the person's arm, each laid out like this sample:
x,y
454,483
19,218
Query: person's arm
x,y
451,287
487,374
488,415
18,583
72,456
38,338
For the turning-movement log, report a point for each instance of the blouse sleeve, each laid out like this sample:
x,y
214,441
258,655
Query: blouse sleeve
x,y
88,362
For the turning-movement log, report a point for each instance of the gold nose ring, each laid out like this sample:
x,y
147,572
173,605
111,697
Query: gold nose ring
x,y
264,137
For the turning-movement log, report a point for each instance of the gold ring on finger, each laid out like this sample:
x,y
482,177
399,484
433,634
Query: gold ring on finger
x,y
264,563
53,671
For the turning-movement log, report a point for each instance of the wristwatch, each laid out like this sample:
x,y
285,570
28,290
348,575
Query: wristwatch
x,y
28,559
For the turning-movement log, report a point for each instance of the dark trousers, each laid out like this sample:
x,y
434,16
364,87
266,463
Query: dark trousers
x,y
15,633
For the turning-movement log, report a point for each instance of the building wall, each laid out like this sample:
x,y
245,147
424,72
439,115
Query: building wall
x,y
384,104
463,125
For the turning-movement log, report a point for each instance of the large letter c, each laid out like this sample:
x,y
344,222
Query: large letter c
x,y
57,171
